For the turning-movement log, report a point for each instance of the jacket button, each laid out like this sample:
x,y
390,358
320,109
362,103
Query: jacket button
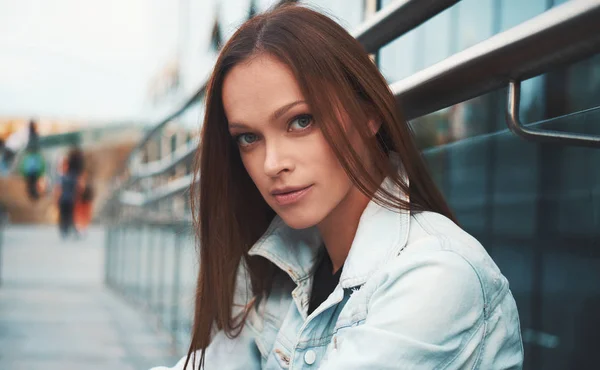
x,y
310,356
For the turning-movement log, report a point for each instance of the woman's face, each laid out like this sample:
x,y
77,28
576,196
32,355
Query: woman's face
x,y
280,144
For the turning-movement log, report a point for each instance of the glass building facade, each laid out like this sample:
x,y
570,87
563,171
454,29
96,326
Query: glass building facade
x,y
535,207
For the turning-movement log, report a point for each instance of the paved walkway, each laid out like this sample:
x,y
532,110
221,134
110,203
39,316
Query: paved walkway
x,y
56,314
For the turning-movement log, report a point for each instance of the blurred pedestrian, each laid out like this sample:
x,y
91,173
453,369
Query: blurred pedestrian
x,y
32,168
68,190
33,138
83,205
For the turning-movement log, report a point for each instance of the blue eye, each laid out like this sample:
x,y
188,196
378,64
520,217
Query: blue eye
x,y
302,122
246,139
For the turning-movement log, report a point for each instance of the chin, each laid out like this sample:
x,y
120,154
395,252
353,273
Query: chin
x,y
297,220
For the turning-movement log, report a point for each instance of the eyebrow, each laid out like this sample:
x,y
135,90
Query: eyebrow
x,y
276,115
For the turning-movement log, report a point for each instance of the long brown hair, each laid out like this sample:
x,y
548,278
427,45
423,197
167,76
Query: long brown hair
x,y
337,78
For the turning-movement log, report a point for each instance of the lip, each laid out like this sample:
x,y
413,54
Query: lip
x,y
285,196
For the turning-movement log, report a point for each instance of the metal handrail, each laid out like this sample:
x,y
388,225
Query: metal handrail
x,y
396,19
137,199
165,164
538,134
137,170
157,127
560,36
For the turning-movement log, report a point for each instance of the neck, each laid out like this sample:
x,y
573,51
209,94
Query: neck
x,y
339,227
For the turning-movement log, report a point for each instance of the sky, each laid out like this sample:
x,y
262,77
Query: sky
x,y
93,60
78,58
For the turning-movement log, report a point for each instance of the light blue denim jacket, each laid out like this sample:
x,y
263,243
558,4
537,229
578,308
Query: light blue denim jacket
x,y
416,292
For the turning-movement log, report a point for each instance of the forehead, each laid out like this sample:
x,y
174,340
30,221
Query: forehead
x,y
256,88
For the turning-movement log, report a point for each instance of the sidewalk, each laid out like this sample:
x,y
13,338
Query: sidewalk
x,y
55,313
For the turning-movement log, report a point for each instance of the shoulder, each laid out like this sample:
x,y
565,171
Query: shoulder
x,y
427,286
447,261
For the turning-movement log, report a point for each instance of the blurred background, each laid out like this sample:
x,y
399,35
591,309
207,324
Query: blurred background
x,y
107,96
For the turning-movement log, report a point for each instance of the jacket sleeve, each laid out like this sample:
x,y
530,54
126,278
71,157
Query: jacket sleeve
x,y
224,353
426,312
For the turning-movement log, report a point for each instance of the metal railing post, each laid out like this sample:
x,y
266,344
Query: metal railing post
x,y
149,265
137,260
176,289
161,273
123,260
107,254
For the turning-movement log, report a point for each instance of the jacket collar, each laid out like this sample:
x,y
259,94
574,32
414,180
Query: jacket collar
x,y
293,251
381,234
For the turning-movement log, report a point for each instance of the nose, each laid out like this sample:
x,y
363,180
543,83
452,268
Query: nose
x,y
276,160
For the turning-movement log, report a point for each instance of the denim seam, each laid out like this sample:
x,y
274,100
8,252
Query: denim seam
x,y
481,350
315,342
349,325
462,347
520,334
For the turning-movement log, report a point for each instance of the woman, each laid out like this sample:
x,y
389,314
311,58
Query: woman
x,y
324,241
